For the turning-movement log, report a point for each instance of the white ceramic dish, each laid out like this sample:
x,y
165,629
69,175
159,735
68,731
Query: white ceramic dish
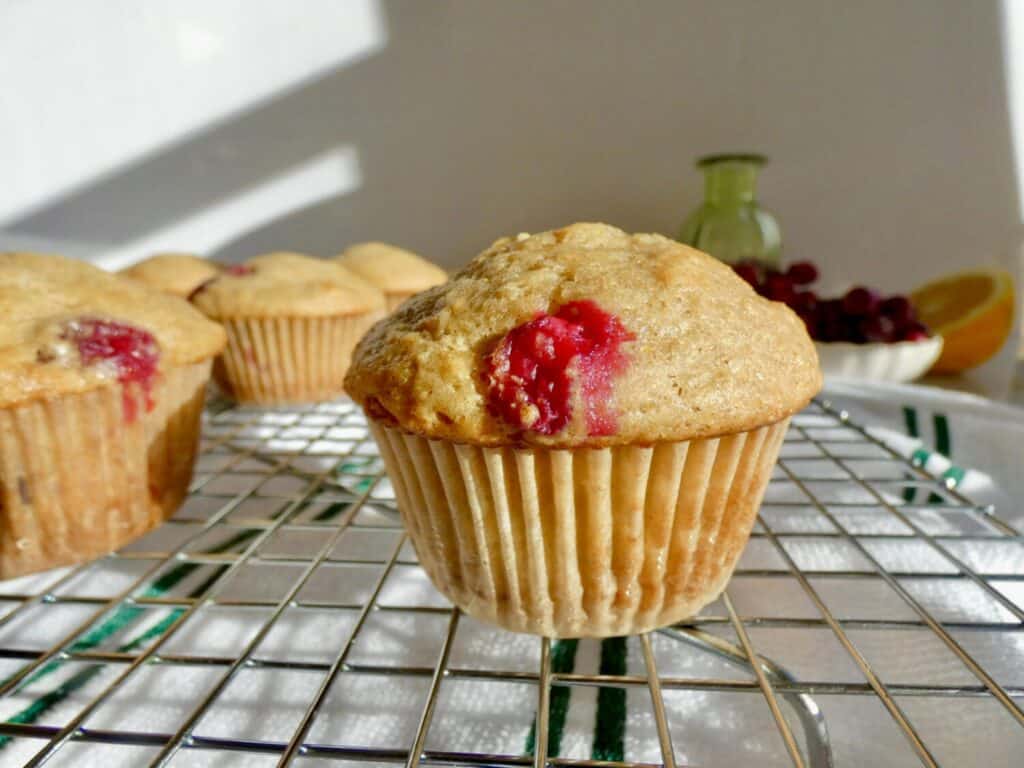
x,y
900,362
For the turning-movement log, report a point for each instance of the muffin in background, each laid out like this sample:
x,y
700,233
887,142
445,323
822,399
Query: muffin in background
x,y
580,426
176,273
292,322
101,390
395,271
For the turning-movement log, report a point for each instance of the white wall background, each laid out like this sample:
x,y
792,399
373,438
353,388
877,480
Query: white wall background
x,y
232,127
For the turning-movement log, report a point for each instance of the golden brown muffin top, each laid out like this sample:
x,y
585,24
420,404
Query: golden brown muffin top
x,y
392,269
286,285
52,306
177,273
357,281
699,353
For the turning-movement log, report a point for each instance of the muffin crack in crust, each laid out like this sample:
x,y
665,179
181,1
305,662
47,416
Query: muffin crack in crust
x,y
710,357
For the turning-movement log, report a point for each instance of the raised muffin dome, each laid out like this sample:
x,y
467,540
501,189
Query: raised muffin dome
x,y
391,269
285,284
177,273
586,335
71,327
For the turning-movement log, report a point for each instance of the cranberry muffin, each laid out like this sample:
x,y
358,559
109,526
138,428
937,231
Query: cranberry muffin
x,y
395,271
292,322
101,391
580,426
175,273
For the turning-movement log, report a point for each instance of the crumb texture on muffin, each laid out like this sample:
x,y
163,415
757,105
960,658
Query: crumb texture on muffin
x,y
285,284
70,327
177,273
705,355
390,268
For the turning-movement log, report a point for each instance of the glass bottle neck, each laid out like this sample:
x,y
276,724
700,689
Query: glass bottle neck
x,y
730,182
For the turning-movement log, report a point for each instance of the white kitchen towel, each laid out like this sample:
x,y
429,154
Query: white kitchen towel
x,y
973,443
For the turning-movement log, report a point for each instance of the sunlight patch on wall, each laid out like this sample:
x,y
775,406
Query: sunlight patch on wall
x,y
325,176
107,82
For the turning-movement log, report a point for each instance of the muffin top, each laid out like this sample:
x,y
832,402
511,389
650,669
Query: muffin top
x,y
586,336
71,327
285,285
177,273
392,269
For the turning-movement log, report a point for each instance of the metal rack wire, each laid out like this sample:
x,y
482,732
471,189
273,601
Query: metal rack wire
x,y
280,618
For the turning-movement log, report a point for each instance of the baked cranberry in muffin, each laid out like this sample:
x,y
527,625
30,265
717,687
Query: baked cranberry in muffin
x,y
533,371
124,352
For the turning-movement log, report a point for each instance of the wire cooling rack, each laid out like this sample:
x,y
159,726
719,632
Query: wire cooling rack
x,y
280,618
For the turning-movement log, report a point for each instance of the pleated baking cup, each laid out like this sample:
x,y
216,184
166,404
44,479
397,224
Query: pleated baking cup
x,y
590,542
82,474
277,360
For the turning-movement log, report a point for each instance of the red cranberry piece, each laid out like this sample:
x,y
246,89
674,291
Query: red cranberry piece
x,y
778,287
852,330
528,373
899,309
749,273
810,318
804,301
879,328
802,273
860,301
830,330
829,321
916,332
132,352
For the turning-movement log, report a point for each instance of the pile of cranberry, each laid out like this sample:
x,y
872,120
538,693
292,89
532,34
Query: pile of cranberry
x,y
861,315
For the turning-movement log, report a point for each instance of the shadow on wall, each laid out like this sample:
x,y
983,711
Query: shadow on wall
x,y
886,123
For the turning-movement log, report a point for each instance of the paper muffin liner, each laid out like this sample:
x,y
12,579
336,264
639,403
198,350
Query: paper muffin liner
x,y
585,542
81,476
288,359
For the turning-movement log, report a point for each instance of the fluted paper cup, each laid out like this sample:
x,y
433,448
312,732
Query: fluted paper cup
x,y
276,360
588,542
82,474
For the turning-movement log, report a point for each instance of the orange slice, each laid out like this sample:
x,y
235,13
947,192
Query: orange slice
x,y
972,311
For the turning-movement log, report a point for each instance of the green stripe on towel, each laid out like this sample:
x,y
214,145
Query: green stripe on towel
x,y
943,446
610,722
910,420
920,457
123,616
563,659
954,476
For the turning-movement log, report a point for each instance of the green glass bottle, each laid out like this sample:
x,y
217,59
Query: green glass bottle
x,y
730,225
